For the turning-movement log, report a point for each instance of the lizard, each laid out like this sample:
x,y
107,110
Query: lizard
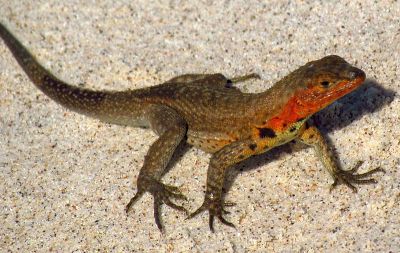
x,y
209,113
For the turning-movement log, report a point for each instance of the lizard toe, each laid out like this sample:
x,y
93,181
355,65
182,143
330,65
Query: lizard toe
x,y
349,177
133,200
215,208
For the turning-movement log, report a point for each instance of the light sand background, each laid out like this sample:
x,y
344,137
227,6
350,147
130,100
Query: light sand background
x,y
65,179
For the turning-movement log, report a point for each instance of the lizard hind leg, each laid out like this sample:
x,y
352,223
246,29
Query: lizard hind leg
x,y
171,129
217,78
190,78
244,78
214,80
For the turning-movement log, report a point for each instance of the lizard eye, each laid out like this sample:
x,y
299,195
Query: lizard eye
x,y
325,84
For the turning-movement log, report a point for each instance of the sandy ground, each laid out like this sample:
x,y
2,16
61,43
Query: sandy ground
x,y
65,178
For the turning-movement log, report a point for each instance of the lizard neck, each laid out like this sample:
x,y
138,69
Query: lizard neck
x,y
291,113
281,108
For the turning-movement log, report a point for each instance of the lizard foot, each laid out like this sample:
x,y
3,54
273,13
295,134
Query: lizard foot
x,y
348,177
215,209
162,193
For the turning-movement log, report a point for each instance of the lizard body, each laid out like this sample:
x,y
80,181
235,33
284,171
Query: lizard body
x,y
213,116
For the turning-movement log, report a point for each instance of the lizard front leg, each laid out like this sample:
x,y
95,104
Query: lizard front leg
x,y
219,163
311,136
171,128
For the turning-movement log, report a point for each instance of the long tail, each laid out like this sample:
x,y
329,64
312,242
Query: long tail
x,y
84,101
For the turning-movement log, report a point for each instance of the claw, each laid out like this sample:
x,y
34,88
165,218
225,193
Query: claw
x,y
164,197
197,212
356,167
368,173
157,204
222,219
211,222
352,187
133,200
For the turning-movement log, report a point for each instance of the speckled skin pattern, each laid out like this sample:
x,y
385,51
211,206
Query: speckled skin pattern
x,y
213,116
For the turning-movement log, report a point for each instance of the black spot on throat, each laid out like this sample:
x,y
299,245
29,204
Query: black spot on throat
x,y
266,132
253,146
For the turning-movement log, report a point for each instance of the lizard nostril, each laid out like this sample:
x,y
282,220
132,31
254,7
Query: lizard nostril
x,y
356,73
352,74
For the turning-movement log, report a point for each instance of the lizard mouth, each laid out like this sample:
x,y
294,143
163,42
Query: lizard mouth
x,y
344,88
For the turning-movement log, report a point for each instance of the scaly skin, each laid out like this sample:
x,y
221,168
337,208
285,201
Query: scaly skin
x,y
214,116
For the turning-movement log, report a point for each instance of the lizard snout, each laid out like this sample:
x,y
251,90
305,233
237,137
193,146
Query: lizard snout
x,y
356,73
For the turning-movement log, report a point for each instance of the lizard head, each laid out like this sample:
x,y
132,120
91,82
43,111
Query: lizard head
x,y
324,81
312,87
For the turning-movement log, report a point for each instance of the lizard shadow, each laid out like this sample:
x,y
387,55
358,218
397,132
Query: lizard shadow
x,y
369,98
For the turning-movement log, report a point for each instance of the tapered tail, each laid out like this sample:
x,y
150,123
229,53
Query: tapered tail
x,y
77,99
